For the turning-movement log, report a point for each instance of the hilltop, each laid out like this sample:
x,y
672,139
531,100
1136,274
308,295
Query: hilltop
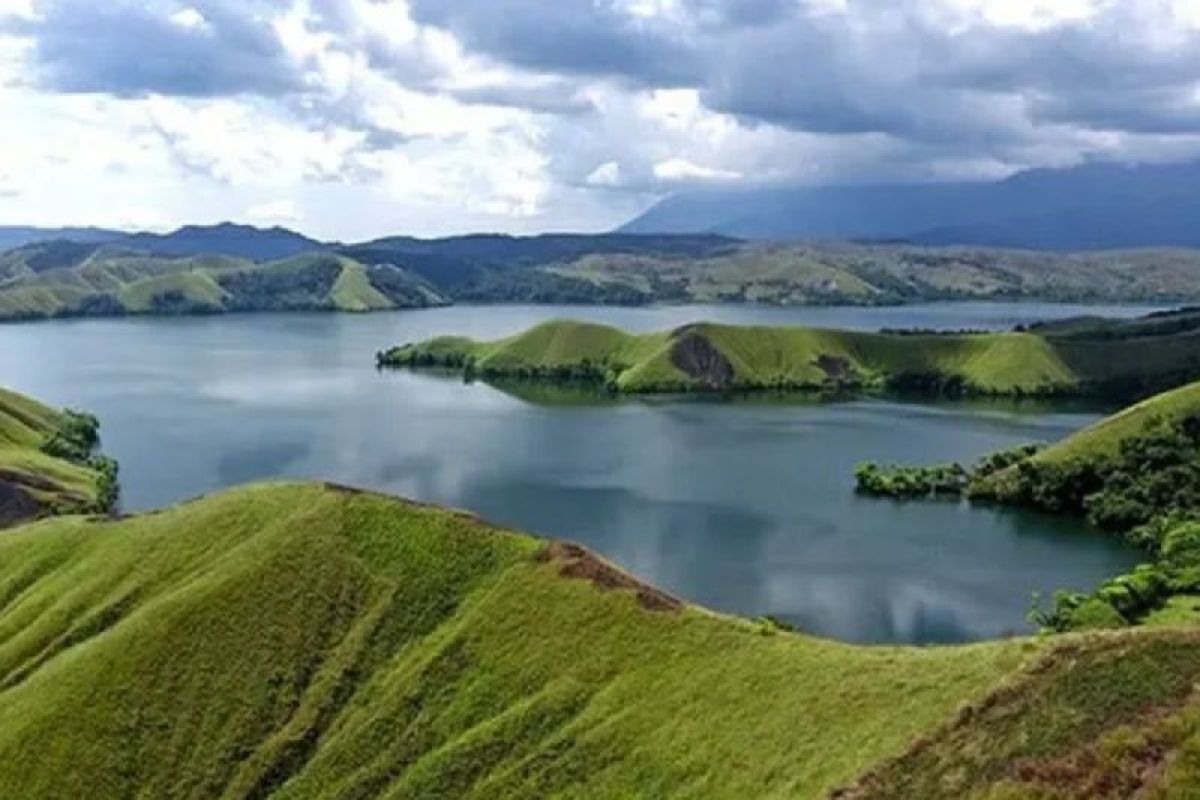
x,y
68,279
303,640
48,462
711,357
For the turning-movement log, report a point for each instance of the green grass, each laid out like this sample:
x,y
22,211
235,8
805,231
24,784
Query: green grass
x,y
1101,718
301,641
53,484
353,290
1104,438
115,281
308,641
729,357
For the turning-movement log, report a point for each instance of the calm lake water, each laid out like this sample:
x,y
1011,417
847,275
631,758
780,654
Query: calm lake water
x,y
746,506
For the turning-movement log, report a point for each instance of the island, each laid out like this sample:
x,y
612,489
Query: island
x,y
1098,358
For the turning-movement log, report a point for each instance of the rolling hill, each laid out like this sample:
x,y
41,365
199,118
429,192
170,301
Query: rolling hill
x,y
596,269
57,279
303,641
1088,207
710,357
48,463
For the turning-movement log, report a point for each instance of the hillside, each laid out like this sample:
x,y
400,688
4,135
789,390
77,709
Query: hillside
x,y
60,279
625,269
47,462
297,641
1087,207
729,358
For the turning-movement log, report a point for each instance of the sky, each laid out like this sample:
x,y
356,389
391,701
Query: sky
x,y
349,119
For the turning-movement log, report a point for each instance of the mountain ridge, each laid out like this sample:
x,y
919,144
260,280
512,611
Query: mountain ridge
x,y
1091,206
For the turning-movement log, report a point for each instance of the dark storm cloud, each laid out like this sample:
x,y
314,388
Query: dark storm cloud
x,y
895,68
134,48
575,37
891,68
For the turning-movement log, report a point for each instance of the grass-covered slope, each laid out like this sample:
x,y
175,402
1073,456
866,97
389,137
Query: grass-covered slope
x,y
1105,437
309,641
724,357
57,279
46,462
300,641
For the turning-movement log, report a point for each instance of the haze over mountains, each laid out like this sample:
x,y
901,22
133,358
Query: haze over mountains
x,y
1090,207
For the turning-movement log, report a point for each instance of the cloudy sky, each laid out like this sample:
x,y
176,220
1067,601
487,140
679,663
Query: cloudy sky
x,y
354,118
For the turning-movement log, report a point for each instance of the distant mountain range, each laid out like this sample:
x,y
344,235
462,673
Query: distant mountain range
x,y
226,239
1090,207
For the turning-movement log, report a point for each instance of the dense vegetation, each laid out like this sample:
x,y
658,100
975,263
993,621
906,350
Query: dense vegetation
x,y
726,358
901,481
63,279
185,272
49,462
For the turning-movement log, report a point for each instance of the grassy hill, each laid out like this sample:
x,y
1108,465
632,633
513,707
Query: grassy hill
x,y
175,273
46,462
722,357
68,279
302,641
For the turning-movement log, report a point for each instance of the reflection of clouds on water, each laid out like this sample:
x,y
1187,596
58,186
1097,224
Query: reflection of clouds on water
x,y
847,607
272,388
259,462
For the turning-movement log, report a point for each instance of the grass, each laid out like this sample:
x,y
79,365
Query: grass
x,y
32,482
115,281
725,357
1104,438
303,641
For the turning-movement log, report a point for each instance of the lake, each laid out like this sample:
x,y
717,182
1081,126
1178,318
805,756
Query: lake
x,y
743,506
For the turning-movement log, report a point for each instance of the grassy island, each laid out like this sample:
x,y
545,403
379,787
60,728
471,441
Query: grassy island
x,y
49,462
1090,358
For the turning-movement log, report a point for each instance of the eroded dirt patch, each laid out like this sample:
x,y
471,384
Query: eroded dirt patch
x,y
576,561
700,360
16,504
836,368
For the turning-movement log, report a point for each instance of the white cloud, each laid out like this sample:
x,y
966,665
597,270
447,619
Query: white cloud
x,y
275,212
680,169
189,18
607,174
371,122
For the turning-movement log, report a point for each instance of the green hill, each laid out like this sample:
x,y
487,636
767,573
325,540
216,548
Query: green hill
x,y
303,641
54,280
47,465
715,357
